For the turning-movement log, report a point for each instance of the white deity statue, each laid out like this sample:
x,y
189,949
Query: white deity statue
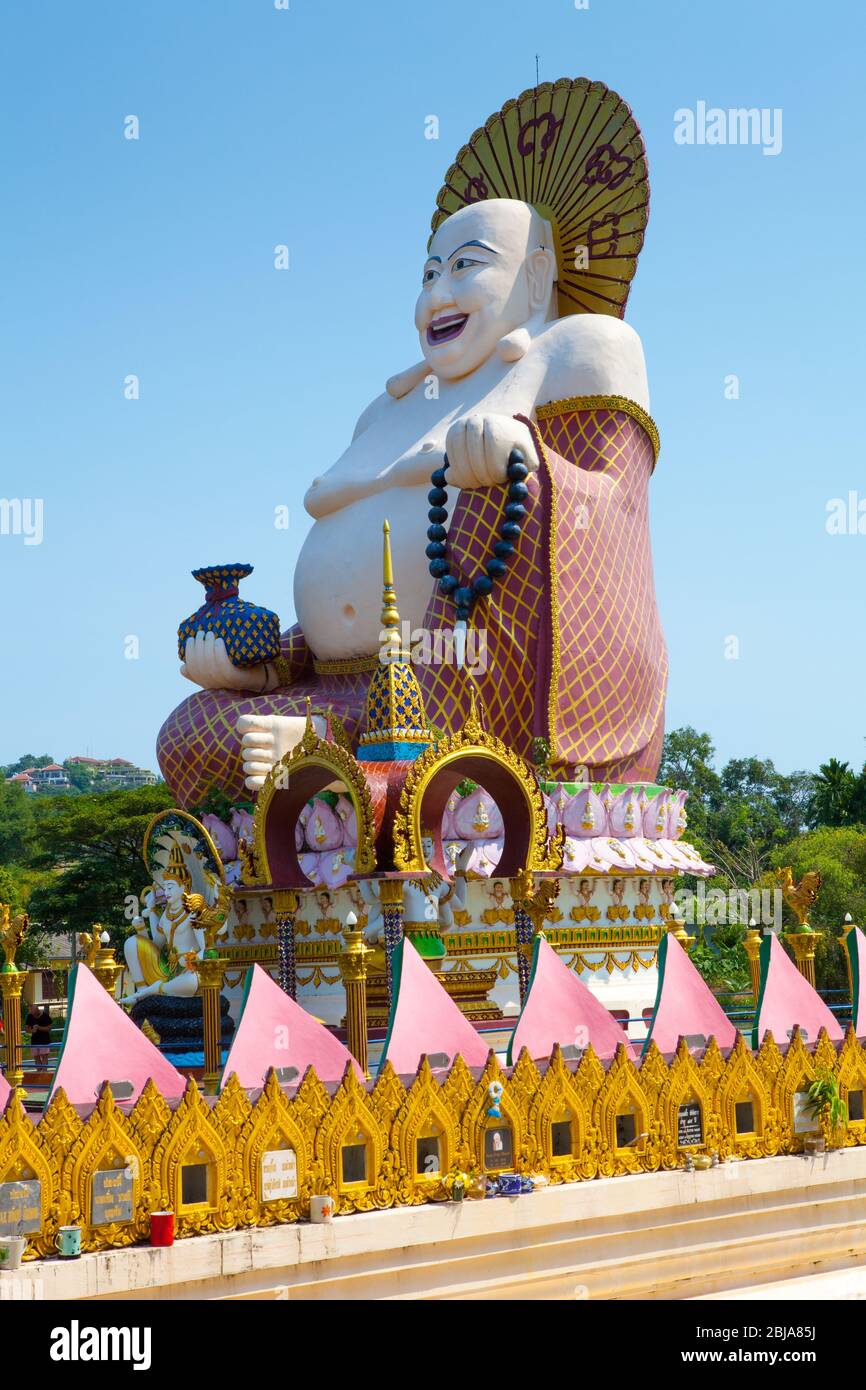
x,y
427,901
164,944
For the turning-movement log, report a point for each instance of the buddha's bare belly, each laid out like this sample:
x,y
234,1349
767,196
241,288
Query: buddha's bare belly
x,y
338,577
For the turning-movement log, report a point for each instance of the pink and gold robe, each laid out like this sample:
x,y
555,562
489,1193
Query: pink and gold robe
x,y
574,648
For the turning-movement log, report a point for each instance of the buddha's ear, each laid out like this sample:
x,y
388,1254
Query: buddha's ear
x,y
540,273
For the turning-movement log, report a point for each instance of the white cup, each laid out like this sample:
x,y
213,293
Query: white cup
x,y
321,1210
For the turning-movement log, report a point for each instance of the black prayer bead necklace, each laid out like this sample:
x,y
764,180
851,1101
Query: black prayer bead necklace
x,y
509,533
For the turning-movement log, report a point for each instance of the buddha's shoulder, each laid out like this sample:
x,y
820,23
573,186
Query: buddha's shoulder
x,y
591,331
593,355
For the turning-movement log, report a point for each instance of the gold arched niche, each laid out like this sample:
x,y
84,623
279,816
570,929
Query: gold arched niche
x,y
474,753
309,768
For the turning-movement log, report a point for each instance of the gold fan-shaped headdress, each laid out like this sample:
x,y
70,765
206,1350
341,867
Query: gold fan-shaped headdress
x,y
574,151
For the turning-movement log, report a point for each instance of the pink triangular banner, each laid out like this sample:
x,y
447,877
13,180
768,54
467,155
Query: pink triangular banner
x,y
101,1043
559,1008
274,1031
426,1020
856,943
787,1000
5,1092
686,1006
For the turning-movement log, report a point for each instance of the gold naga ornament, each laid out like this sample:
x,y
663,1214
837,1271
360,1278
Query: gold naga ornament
x,y
802,896
12,933
91,944
573,150
209,918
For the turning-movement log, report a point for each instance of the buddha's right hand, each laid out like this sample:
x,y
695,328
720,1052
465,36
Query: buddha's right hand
x,y
207,663
479,446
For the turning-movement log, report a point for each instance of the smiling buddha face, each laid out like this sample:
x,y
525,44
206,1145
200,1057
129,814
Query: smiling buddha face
x,y
489,270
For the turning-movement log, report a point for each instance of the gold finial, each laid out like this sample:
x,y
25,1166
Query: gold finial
x,y
473,726
390,616
309,738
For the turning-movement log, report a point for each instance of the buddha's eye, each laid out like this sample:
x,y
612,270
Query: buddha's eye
x,y
463,263
429,276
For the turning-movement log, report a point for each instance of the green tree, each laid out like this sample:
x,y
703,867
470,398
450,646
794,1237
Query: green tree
x,y
16,822
80,775
835,789
27,761
92,847
687,765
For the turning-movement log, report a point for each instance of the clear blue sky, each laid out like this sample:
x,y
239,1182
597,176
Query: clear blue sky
x,y
306,127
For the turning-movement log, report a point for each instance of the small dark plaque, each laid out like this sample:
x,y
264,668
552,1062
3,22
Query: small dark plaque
x,y
20,1208
498,1148
690,1128
111,1196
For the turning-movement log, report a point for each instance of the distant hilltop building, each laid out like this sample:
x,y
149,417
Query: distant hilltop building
x,y
107,774
115,772
42,779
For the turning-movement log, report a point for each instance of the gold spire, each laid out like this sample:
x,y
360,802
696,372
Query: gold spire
x,y
396,725
390,617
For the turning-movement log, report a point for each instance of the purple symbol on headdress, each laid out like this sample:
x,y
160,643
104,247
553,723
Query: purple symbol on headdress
x,y
607,167
608,242
476,190
526,145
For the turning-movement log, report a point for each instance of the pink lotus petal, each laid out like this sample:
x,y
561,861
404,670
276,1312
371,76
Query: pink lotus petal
x,y
274,1031
585,815
559,1008
685,1004
101,1043
655,816
477,817
787,999
856,943
309,865
425,1019
575,855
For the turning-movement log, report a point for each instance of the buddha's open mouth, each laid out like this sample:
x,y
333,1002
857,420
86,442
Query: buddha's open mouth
x,y
448,327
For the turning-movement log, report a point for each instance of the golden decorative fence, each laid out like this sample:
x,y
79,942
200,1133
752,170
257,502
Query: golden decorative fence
x,y
235,1161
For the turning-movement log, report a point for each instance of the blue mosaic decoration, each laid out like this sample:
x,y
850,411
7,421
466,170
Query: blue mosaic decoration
x,y
397,727
251,634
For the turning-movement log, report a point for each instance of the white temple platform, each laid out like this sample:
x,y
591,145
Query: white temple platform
x,y
748,1229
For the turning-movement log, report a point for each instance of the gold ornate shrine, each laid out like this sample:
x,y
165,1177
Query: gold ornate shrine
x,y
618,1119
312,766
474,754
